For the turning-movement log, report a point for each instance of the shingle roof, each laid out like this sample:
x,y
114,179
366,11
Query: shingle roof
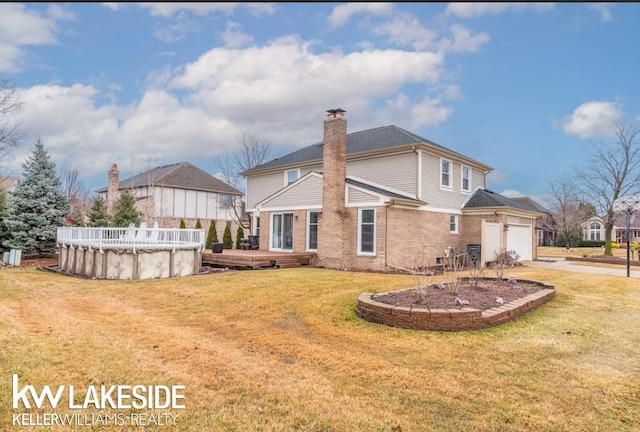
x,y
380,138
180,175
379,190
534,205
486,198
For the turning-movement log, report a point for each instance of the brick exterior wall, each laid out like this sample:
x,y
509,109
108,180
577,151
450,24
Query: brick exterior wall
x,y
331,221
112,187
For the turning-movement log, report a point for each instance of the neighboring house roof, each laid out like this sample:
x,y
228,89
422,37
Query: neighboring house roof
x,y
9,183
180,175
482,198
380,138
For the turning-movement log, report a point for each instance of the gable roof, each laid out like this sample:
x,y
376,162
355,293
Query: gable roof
x,y
377,139
181,175
531,203
483,198
381,190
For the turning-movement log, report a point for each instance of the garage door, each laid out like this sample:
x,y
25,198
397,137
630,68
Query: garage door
x,y
520,239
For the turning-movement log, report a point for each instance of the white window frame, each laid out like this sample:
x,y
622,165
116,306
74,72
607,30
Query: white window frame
x,y
468,189
309,230
595,229
360,251
286,176
442,185
455,221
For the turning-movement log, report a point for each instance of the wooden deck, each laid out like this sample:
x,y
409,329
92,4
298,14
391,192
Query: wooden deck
x,y
236,258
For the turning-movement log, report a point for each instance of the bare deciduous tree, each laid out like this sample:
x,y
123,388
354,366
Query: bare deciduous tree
x,y
568,210
613,171
10,104
77,193
253,150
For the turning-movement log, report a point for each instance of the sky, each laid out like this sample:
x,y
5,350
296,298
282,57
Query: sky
x,y
526,88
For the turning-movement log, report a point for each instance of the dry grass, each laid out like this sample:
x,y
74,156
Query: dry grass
x,y
282,350
552,251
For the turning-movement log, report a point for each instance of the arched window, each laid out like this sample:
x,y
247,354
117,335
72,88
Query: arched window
x,y
595,230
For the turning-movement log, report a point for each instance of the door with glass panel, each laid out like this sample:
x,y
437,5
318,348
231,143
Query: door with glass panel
x,y
282,231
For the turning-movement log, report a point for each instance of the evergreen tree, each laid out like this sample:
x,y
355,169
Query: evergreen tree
x,y
38,207
227,241
182,224
198,224
125,212
98,214
239,236
212,235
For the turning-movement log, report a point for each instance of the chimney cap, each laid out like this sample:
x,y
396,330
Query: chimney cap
x,y
336,111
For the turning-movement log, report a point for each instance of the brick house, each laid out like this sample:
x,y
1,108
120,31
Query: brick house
x,y
370,199
168,193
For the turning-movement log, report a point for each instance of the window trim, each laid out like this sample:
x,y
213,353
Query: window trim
x,y
308,249
443,186
462,189
360,251
456,222
286,176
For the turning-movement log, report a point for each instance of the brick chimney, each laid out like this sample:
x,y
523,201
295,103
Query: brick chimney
x,y
331,224
112,187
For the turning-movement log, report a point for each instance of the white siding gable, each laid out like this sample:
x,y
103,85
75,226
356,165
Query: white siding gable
x,y
303,194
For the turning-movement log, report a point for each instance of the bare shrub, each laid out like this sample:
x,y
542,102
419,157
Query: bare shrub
x,y
505,260
476,272
419,265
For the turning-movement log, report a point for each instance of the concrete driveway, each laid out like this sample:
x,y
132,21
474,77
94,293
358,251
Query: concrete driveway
x,y
556,263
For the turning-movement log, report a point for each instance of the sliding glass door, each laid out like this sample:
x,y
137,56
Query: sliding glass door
x,y
282,231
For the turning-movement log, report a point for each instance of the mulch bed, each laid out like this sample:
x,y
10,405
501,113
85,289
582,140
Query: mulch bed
x,y
483,297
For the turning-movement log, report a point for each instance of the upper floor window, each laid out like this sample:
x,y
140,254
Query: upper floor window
x,y
445,174
291,176
466,179
226,201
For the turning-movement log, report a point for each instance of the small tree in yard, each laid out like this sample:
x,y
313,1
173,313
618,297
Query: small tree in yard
x,y
227,240
212,235
182,224
239,236
38,208
125,212
98,214
198,224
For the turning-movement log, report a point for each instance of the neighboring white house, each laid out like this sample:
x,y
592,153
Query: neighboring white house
x,y
169,193
593,228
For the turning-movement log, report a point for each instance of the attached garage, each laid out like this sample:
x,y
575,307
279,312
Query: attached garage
x,y
503,224
520,240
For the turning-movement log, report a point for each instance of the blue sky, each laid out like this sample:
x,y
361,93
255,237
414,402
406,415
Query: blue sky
x,y
526,88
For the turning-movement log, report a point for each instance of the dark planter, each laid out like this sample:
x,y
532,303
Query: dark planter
x,y
216,247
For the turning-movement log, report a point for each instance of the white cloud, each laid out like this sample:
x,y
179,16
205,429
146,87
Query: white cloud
x,y
512,193
603,9
234,37
405,29
177,31
476,9
21,27
342,13
591,120
280,90
464,40
168,9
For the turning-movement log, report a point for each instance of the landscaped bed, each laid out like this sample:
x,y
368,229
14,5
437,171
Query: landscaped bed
x,y
464,304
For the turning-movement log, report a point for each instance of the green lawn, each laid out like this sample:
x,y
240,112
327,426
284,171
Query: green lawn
x,y
282,350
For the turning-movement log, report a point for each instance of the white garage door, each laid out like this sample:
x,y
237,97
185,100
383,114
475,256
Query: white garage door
x,y
520,239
